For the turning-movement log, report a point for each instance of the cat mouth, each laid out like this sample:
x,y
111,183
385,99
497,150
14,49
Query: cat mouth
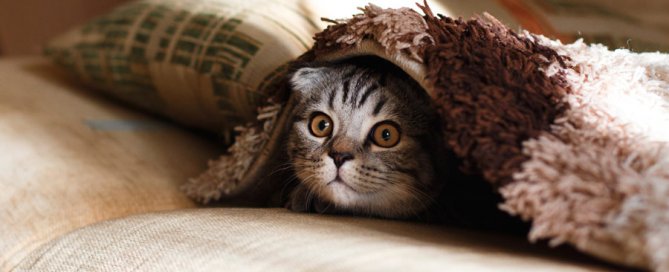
x,y
340,181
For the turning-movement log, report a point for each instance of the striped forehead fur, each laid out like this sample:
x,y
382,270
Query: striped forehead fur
x,y
355,87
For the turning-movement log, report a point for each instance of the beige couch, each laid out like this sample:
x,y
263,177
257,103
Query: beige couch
x,y
89,185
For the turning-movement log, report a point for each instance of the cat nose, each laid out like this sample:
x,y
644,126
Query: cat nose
x,y
340,158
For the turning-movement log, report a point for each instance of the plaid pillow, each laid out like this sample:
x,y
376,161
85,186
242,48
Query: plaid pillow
x,y
203,63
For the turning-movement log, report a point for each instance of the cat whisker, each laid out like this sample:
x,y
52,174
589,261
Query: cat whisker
x,y
287,183
413,194
359,181
282,167
422,198
374,175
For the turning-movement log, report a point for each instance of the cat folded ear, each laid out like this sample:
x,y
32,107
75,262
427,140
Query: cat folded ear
x,y
307,79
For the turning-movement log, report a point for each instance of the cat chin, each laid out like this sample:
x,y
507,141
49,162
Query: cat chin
x,y
383,204
343,195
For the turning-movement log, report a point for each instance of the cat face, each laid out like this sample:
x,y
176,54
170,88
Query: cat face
x,y
359,140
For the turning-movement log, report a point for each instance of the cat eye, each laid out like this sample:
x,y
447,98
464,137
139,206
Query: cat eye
x,y
320,125
385,134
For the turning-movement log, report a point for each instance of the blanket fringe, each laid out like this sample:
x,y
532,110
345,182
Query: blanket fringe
x,y
225,174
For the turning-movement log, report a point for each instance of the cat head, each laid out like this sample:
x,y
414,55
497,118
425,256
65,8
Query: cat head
x,y
361,139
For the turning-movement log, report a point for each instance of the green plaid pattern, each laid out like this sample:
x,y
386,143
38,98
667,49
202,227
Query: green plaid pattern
x,y
116,52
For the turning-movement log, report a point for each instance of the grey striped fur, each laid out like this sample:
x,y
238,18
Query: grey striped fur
x,y
396,182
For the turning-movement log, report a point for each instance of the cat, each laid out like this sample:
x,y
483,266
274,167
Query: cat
x,y
362,141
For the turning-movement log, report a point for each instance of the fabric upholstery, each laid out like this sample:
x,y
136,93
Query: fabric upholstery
x,y
233,239
205,63
69,159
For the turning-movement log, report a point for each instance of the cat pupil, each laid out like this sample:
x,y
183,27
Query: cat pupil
x,y
385,134
322,125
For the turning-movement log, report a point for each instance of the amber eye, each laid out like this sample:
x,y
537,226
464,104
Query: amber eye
x,y
320,125
386,134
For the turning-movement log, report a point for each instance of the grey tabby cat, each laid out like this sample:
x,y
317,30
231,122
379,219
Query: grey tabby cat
x,y
361,141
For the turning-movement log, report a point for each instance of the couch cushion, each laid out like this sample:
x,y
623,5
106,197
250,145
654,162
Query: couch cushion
x,y
234,239
68,159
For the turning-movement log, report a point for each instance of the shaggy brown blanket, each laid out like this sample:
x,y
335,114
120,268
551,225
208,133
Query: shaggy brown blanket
x,y
573,137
